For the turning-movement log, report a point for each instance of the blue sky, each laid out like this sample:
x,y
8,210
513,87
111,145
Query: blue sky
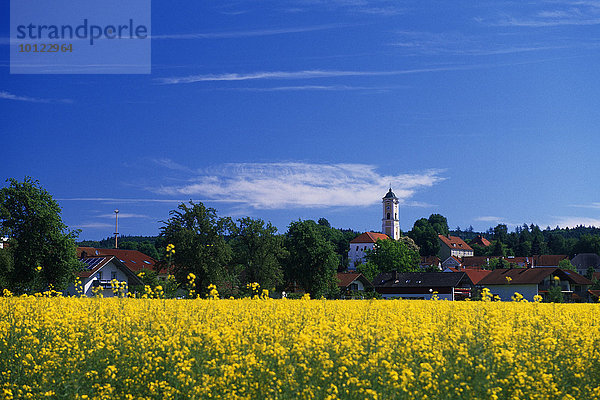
x,y
485,112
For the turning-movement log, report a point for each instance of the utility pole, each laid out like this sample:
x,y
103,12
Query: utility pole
x,y
116,228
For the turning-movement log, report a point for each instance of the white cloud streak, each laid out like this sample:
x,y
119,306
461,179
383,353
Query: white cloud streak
x,y
591,205
564,13
124,215
326,88
306,74
488,219
250,33
572,222
94,225
9,96
129,200
296,185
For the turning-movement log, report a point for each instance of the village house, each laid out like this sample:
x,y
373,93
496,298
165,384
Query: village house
x,y
135,260
479,262
481,241
530,282
423,285
359,245
453,246
99,272
584,261
350,282
430,262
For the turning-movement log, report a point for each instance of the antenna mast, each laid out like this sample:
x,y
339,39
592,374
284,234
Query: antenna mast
x,y
116,228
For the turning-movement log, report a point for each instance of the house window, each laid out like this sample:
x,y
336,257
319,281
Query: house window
x,y
99,274
354,286
395,215
113,275
388,215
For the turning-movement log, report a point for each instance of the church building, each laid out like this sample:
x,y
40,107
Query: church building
x,y
390,223
390,229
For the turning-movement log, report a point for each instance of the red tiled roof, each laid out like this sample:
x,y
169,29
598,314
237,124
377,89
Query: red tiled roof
x,y
133,259
530,276
101,262
476,275
430,260
548,260
369,237
346,278
481,241
475,262
454,242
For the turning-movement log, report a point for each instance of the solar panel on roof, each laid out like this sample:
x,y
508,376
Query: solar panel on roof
x,y
90,263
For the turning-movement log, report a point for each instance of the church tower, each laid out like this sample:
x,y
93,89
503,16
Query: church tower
x,y
390,223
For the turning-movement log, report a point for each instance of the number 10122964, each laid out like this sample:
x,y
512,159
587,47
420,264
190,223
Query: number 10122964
x,y
46,48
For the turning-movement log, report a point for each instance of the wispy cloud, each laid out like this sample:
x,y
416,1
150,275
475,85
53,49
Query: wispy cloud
x,y
326,88
572,222
372,7
496,220
489,219
124,215
591,205
94,225
250,33
562,13
452,43
288,185
306,74
9,96
131,200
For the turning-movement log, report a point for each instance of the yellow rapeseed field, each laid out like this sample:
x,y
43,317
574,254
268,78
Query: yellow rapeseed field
x,y
123,348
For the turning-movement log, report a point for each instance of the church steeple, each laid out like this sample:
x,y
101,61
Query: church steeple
x,y
390,223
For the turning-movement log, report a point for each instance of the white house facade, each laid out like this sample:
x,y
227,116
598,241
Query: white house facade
x,y
99,272
359,246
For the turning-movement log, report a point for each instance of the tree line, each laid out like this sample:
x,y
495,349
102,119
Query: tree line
x,y
234,253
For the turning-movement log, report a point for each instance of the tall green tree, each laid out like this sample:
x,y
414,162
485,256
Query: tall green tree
x,y
42,248
497,249
439,224
200,246
259,251
311,260
394,255
426,237
501,233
